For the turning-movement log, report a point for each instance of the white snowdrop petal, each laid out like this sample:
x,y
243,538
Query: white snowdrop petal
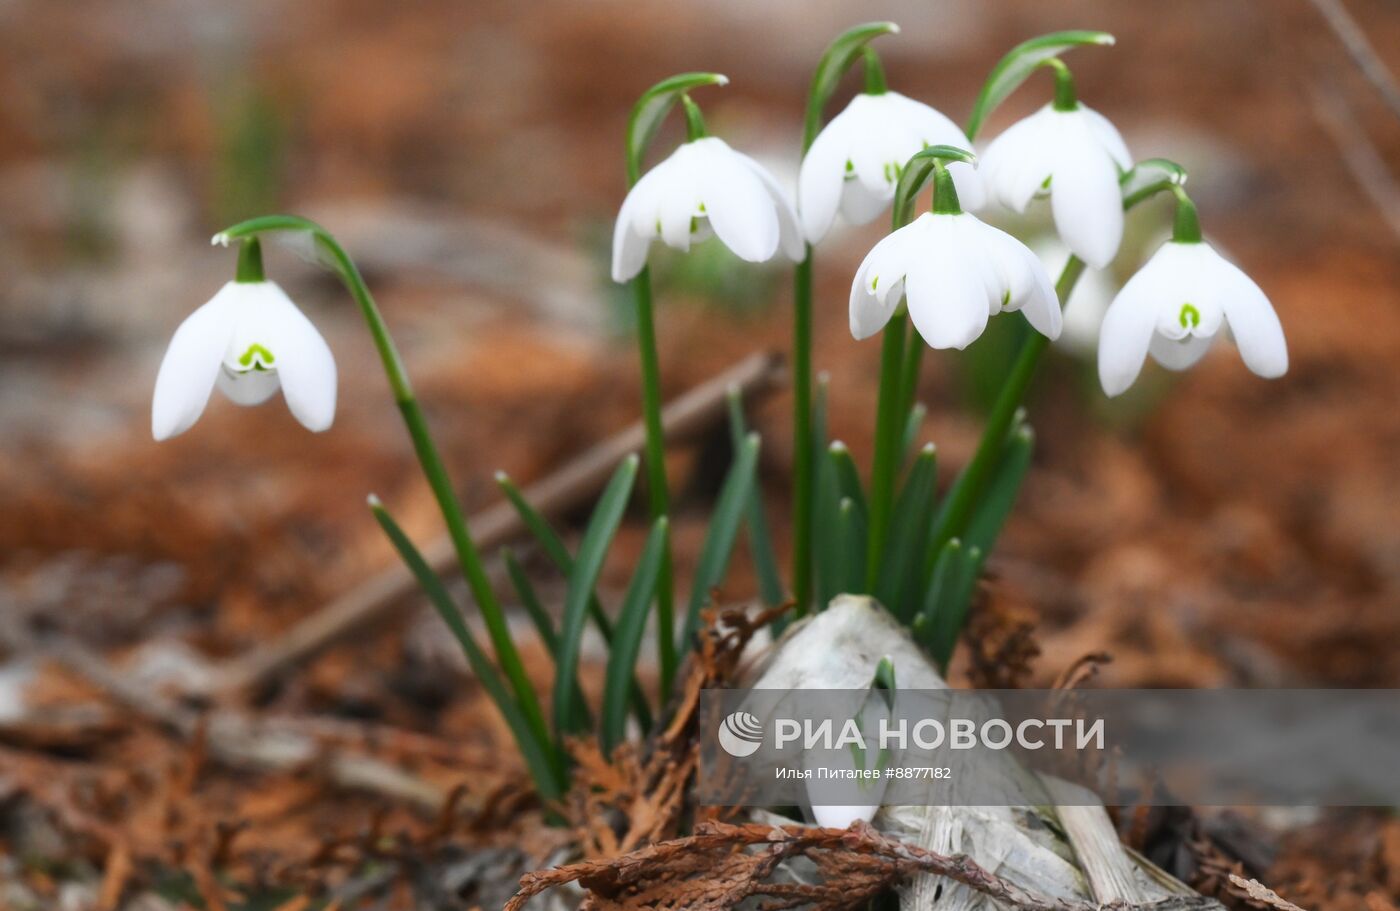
x,y
249,387
191,365
737,203
678,208
1026,282
1128,327
859,205
971,195
1087,204
820,183
1017,163
304,363
872,307
948,301
1179,354
1108,135
635,227
1253,322
790,237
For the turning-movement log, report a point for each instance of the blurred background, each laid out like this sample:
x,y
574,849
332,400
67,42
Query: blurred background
x,y
1208,529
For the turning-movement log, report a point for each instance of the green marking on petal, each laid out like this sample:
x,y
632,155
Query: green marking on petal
x,y
258,352
874,282
1005,298
702,208
694,224
1189,317
850,166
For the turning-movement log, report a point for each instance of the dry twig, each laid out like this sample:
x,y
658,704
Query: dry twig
x,y
723,864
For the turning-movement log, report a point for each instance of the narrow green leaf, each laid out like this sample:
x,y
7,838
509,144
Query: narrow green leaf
x,y
544,762
951,613
765,559
850,533
912,425
990,513
1149,177
631,624
902,567
847,476
1019,63
826,539
944,569
835,60
558,553
597,538
724,528
552,544
544,624
651,109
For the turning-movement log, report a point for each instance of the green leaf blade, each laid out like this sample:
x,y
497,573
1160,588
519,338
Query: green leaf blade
x,y
602,526
724,527
1020,62
631,624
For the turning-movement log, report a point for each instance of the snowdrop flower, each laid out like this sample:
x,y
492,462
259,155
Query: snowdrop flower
x,y
956,272
1176,304
855,162
249,340
1075,155
705,188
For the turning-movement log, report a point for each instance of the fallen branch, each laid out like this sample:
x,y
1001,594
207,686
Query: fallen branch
x,y
723,864
565,489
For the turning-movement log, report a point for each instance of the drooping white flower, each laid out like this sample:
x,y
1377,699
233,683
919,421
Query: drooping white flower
x,y
1075,156
1174,307
855,162
249,340
704,188
956,272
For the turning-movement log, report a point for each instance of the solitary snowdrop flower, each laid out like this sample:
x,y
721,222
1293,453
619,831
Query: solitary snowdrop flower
x,y
854,164
956,272
249,340
705,188
1075,155
1176,304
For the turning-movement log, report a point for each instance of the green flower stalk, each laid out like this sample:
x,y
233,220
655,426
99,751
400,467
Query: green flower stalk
x,y
705,188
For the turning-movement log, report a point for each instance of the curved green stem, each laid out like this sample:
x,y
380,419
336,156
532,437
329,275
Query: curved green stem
x,y
473,569
658,494
803,482
889,424
1066,98
250,263
875,83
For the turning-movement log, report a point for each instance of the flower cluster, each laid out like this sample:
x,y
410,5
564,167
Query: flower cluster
x,y
945,272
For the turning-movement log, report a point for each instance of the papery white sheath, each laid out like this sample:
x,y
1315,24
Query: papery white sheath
x,y
249,340
1174,307
854,163
1075,156
704,188
956,272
